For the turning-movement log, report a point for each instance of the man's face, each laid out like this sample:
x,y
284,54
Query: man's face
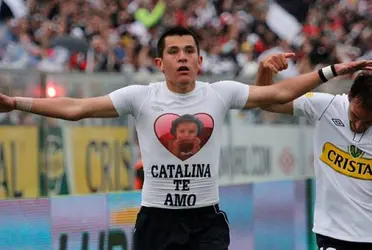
x,y
181,62
360,118
186,130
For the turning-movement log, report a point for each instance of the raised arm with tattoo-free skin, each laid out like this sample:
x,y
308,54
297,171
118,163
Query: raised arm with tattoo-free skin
x,y
284,92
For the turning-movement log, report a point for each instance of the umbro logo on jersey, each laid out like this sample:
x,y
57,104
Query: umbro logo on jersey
x,y
338,122
156,108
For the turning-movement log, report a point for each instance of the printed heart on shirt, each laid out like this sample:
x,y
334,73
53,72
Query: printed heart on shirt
x,y
184,135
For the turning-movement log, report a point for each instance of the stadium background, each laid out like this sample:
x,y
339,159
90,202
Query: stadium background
x,y
67,185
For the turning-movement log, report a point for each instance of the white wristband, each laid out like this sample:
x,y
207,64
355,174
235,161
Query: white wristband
x,y
24,103
327,72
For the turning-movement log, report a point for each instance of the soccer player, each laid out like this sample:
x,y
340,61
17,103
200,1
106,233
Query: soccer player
x,y
179,208
342,161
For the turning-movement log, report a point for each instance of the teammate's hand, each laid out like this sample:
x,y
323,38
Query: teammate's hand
x,y
352,67
276,62
7,103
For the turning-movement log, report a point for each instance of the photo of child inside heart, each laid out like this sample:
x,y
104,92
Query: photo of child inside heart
x,y
186,134
185,130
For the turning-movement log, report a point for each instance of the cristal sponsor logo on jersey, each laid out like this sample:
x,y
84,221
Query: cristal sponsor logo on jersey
x,y
349,163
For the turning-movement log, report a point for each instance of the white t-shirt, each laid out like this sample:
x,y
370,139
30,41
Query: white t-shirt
x,y
343,169
179,172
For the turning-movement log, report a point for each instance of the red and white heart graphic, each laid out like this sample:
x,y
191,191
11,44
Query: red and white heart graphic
x,y
184,135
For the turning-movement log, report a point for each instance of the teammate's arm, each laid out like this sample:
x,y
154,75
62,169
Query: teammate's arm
x,y
265,74
289,89
286,108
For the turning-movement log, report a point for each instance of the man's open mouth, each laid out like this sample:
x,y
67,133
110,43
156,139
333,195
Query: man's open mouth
x,y
183,69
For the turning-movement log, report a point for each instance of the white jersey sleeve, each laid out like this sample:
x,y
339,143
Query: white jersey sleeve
x,y
312,105
128,100
234,94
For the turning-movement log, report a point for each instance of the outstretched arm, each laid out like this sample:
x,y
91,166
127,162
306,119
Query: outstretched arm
x,y
123,101
63,108
287,90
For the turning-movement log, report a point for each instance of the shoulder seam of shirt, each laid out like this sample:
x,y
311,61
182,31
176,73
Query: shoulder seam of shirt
x,y
218,94
144,100
320,117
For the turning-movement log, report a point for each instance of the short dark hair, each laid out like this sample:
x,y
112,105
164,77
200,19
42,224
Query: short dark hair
x,y
187,118
175,31
362,89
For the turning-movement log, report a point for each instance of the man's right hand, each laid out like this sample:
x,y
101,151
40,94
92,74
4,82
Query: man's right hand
x,y
7,103
352,67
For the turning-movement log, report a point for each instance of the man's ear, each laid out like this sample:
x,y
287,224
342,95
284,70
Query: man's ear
x,y
159,63
200,61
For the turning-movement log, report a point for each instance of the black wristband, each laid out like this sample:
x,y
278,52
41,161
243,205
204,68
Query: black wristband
x,y
334,70
327,73
321,75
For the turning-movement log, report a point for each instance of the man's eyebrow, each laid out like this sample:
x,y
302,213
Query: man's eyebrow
x,y
187,47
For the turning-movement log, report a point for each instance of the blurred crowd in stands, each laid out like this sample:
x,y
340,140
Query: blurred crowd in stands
x,y
120,35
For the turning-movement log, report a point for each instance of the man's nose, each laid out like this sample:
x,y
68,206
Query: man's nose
x,y
182,57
